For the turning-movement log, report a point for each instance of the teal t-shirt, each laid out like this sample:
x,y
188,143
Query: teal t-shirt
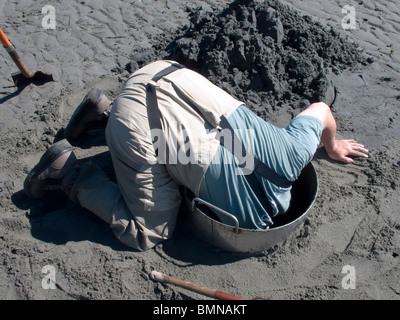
x,y
285,150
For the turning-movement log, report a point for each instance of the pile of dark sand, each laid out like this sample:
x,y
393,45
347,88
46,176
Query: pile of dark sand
x,y
263,53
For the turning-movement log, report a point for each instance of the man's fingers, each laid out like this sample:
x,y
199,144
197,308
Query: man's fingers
x,y
347,160
359,150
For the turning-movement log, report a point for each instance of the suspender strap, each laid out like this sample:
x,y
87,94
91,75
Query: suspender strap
x,y
240,152
153,111
166,71
236,149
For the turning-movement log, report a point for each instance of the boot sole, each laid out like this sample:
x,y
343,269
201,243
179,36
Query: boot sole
x,y
81,111
55,151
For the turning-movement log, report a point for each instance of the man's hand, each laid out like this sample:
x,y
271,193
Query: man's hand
x,y
343,150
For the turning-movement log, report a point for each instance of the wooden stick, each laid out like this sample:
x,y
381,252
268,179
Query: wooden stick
x,y
212,293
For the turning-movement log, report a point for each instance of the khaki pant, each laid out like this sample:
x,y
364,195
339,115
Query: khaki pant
x,y
142,207
138,228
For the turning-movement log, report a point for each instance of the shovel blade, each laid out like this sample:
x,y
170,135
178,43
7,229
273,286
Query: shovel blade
x,y
38,78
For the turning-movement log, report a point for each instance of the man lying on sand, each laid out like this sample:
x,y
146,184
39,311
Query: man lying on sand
x,y
169,128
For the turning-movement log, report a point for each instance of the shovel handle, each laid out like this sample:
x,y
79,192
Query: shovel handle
x,y
14,55
212,293
6,43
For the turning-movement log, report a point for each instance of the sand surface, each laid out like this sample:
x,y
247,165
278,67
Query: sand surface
x,y
354,221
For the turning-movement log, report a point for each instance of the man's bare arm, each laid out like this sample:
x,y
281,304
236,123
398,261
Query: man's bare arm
x,y
340,150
